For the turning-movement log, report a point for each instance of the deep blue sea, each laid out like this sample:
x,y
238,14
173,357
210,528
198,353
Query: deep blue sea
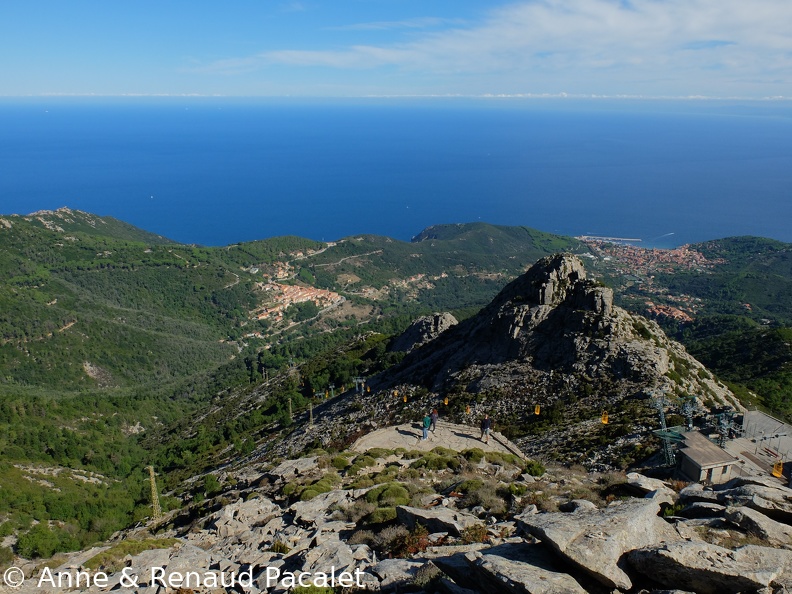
x,y
220,171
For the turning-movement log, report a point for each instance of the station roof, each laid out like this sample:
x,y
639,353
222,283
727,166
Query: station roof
x,y
703,452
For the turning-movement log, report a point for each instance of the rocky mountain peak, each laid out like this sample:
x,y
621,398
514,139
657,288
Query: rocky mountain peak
x,y
555,280
423,330
552,339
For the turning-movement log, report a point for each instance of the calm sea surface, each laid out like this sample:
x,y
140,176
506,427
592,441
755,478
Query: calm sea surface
x,y
221,171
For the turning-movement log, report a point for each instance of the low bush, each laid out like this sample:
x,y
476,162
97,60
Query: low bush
x,y
112,558
407,545
534,468
379,453
279,547
474,533
474,455
388,495
487,496
358,510
381,515
340,462
383,540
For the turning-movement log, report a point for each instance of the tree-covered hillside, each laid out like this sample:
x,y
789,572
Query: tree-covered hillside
x,y
119,348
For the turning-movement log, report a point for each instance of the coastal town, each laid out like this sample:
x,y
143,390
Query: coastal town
x,y
281,296
629,267
636,268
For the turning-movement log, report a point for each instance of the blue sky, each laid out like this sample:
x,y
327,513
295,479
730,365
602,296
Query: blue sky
x,y
653,48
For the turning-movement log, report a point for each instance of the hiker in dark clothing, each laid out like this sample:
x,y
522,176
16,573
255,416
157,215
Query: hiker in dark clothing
x,y
486,425
435,415
427,421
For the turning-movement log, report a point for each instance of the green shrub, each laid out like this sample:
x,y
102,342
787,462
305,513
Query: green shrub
x,y
379,453
308,494
407,545
362,482
279,547
534,468
503,459
112,558
432,461
469,485
381,515
474,533
388,495
340,462
290,489
474,455
211,485
413,454
441,451
395,494
388,475
43,541
6,557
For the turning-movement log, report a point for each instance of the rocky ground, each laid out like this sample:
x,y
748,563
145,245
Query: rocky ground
x,y
442,521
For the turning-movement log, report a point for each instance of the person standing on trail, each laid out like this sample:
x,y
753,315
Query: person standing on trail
x,y
435,415
427,421
486,425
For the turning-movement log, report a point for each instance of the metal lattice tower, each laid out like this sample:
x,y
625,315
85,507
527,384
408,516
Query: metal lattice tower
x,y
725,426
688,406
155,504
668,452
360,382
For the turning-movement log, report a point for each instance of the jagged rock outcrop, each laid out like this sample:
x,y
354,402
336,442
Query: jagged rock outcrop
x,y
590,548
422,331
597,540
554,331
519,568
551,338
239,516
709,569
552,318
438,519
758,524
763,494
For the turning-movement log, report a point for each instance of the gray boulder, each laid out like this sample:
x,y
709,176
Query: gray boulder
x,y
330,553
597,540
396,572
520,569
438,519
765,496
576,505
758,524
315,511
238,517
700,509
644,485
709,569
291,469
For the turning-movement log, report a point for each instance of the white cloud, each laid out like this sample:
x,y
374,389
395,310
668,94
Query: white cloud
x,y
416,23
671,40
